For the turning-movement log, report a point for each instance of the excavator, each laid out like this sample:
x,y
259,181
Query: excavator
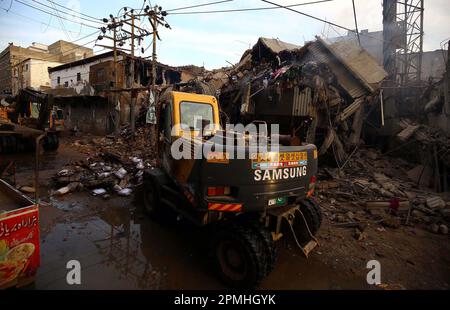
x,y
27,115
248,204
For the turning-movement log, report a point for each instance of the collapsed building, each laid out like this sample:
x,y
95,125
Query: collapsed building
x,y
334,95
318,93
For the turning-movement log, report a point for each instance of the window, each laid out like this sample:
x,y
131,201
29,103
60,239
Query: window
x,y
58,80
26,67
59,114
66,84
191,112
78,76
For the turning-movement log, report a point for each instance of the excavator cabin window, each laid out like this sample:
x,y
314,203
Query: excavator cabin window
x,y
191,113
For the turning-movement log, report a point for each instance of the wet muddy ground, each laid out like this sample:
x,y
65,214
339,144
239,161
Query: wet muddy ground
x,y
119,247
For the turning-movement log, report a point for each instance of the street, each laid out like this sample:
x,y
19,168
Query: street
x,y
120,247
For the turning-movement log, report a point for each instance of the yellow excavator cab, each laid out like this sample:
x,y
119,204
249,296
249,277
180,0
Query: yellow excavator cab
x,y
189,109
56,119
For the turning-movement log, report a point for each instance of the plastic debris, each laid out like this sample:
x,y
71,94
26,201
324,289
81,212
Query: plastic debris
x,y
125,192
121,173
99,191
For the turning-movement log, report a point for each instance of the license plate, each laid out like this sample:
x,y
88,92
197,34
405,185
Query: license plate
x,y
277,201
279,160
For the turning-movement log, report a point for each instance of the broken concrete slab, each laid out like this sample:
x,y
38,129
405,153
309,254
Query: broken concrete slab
x,y
435,202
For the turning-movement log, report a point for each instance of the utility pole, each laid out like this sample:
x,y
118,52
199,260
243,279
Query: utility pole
x,y
116,94
124,30
131,80
155,34
154,22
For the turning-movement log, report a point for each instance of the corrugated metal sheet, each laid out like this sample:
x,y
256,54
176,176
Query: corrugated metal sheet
x,y
302,102
345,78
361,63
351,109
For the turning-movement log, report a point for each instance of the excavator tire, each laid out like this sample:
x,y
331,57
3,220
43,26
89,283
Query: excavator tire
x,y
270,247
55,142
240,256
8,144
151,197
50,142
313,218
46,143
313,203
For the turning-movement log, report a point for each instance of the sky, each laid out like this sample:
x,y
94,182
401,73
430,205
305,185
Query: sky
x,y
212,40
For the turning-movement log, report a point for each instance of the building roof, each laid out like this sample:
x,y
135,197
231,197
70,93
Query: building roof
x,y
82,61
276,45
40,59
359,63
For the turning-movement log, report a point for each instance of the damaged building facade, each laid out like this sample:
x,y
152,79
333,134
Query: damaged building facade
x,y
17,63
86,89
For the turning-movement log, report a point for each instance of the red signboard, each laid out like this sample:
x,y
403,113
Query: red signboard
x,y
19,246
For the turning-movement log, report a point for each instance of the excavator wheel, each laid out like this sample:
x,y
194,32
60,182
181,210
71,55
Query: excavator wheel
x,y
313,217
50,142
151,197
47,143
313,203
55,142
270,247
240,256
9,144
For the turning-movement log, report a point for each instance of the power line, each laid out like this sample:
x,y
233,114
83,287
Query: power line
x,y
356,22
66,13
247,9
62,24
49,13
308,15
198,5
79,13
36,20
319,19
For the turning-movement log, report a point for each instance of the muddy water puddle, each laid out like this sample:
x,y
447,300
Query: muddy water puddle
x,y
119,247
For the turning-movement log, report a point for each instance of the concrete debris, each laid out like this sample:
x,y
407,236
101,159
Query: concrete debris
x,y
121,173
71,187
27,189
435,202
377,189
117,166
359,235
125,192
443,229
63,172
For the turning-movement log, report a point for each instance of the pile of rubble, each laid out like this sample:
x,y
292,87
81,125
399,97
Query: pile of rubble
x,y
112,166
319,93
429,146
376,189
